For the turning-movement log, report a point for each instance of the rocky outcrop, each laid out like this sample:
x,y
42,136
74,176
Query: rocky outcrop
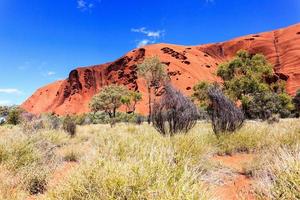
x,y
186,65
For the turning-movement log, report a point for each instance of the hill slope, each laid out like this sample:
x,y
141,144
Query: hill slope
x,y
186,66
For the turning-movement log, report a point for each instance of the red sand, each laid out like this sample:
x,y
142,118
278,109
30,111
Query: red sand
x,y
240,187
187,65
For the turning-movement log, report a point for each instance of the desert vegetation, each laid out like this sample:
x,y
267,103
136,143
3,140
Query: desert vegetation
x,y
109,154
132,161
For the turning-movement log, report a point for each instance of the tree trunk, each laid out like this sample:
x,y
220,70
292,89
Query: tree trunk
x,y
150,107
114,112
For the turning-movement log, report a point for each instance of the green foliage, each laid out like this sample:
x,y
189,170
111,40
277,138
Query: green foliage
x,y
200,93
14,116
153,71
245,74
250,79
130,100
69,126
264,105
109,99
102,118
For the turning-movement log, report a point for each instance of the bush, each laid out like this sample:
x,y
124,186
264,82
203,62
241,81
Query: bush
x,y
273,119
69,126
102,118
51,121
296,101
71,156
80,119
36,185
139,120
32,126
14,116
174,113
264,105
225,116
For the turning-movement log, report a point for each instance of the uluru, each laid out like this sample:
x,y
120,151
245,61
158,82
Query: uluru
x,y
186,65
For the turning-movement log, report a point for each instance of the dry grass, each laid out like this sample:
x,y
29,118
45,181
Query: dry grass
x,y
136,162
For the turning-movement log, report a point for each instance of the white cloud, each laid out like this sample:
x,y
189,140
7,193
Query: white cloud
x,y
144,42
85,5
50,73
210,1
153,34
10,91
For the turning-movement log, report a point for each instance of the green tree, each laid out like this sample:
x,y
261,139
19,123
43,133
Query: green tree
x,y
200,94
153,71
130,100
109,99
245,74
251,80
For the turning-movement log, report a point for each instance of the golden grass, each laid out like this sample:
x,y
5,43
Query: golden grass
x,y
135,162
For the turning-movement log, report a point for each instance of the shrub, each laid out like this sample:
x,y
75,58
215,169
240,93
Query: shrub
x,y
264,105
51,121
174,113
36,185
98,118
139,120
4,110
102,118
32,126
71,156
225,116
14,116
296,101
273,119
69,126
80,119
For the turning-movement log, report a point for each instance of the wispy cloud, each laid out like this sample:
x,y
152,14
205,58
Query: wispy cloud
x,y
149,33
86,5
152,36
144,42
51,73
10,91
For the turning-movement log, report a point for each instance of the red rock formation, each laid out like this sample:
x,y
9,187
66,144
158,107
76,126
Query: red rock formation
x,y
186,66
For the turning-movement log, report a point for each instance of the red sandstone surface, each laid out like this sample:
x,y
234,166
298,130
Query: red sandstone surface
x,y
187,65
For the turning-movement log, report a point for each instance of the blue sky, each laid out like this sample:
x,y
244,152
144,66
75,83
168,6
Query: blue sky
x,y
42,40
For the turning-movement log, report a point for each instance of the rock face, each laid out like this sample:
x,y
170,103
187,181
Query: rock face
x,y
187,65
